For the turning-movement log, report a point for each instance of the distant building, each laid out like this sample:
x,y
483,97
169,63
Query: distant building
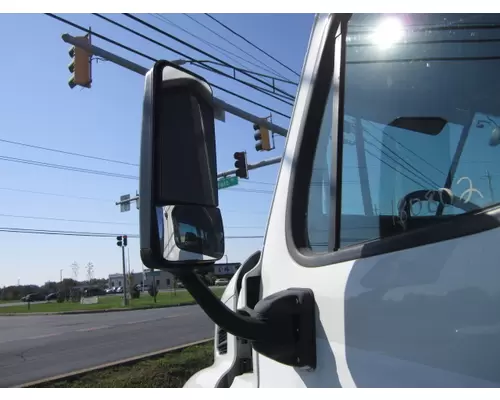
x,y
164,280
226,270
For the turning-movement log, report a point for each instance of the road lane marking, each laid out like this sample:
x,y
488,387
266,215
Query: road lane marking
x,y
143,321
94,328
91,329
45,336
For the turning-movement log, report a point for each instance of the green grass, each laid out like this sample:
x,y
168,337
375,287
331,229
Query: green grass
x,y
168,371
109,302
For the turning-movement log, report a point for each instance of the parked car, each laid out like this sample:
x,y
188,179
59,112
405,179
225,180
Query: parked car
x,y
34,297
94,291
146,288
221,282
51,296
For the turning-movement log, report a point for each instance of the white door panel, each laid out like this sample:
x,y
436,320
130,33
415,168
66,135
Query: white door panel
x,y
405,319
424,309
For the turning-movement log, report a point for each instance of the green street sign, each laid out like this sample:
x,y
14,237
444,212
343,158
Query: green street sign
x,y
227,182
152,273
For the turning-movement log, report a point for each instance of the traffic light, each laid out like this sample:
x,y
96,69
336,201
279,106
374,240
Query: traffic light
x,y
119,241
263,138
241,164
124,240
80,66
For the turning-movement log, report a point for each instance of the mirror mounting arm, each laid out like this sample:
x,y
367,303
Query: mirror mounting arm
x,y
281,326
239,325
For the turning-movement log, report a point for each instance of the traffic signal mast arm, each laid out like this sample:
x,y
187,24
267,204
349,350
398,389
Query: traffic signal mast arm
x,y
260,164
218,103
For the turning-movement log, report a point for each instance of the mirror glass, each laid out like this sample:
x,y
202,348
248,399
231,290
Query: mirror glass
x,y
191,233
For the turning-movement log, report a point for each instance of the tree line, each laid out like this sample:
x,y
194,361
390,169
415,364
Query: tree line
x,y
16,292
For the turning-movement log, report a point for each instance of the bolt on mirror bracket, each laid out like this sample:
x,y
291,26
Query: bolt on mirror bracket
x,y
282,326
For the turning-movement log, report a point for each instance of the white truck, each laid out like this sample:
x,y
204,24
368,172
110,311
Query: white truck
x,y
379,265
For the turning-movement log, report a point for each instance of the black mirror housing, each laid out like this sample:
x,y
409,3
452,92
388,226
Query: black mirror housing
x,y
178,162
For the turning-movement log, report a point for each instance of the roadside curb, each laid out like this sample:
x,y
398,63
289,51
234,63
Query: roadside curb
x,y
100,311
127,361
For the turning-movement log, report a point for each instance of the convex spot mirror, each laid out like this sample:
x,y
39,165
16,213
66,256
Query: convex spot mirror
x,y
192,233
178,171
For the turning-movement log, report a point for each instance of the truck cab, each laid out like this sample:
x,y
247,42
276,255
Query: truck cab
x,y
382,233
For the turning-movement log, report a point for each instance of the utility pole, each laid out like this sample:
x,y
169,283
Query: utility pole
x,y
60,275
128,259
122,242
125,286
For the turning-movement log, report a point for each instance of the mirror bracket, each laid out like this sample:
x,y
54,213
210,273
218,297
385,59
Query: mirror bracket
x,y
282,326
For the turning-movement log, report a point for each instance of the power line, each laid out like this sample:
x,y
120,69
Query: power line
x,y
244,237
258,183
118,44
104,200
244,227
64,233
67,168
92,234
417,173
250,190
424,59
392,167
406,148
268,68
155,28
68,152
220,49
65,219
58,195
198,63
36,217
250,43
102,173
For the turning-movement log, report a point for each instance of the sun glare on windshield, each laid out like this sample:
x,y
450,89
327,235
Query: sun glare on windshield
x,y
387,33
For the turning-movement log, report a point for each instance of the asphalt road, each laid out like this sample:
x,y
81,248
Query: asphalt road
x,y
38,347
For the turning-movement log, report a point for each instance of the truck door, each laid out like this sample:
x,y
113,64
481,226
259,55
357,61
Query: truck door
x,y
387,203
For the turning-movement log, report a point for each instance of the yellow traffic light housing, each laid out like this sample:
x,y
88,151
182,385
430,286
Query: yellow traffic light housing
x,y
263,138
80,66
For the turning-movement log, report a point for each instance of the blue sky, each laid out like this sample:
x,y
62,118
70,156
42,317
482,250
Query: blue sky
x,y
39,108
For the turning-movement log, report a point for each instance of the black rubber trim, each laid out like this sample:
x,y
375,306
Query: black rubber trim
x,y
301,172
338,82
249,263
296,227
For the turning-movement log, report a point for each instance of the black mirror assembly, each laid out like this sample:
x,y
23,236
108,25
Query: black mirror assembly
x,y
181,227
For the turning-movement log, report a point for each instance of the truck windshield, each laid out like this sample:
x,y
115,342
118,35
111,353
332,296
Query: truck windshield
x,y
407,66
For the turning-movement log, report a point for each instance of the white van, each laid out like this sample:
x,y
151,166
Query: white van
x,y
378,267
